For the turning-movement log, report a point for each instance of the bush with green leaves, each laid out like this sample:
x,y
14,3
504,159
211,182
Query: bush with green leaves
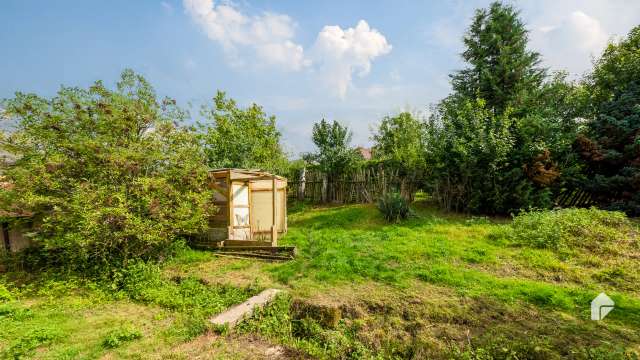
x,y
117,337
590,229
109,176
394,207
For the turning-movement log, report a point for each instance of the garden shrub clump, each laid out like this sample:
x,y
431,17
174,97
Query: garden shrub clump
x,y
107,176
590,229
119,336
394,207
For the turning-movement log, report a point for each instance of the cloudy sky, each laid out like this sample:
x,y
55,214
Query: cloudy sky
x,y
354,61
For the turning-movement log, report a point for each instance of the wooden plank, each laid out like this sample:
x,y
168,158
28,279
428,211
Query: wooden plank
x,y
246,243
271,249
237,313
274,229
250,201
230,204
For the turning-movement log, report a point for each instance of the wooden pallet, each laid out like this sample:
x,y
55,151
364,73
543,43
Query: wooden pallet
x,y
274,253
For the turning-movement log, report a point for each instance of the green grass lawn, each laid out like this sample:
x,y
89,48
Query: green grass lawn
x,y
435,286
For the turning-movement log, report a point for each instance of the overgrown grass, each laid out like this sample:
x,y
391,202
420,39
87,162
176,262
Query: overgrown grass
x,y
437,285
73,317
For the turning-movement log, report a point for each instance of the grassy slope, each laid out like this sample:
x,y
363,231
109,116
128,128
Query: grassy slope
x,y
435,284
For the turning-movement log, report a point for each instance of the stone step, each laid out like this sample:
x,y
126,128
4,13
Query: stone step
x,y
235,314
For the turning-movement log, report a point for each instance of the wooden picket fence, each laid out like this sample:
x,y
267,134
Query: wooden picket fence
x,y
575,197
359,186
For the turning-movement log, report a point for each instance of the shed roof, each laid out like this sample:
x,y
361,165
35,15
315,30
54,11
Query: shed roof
x,y
246,174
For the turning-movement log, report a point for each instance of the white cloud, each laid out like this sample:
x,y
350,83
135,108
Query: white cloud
x,y
267,36
571,43
568,33
341,53
337,53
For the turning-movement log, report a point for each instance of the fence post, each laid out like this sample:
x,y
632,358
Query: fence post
x,y
323,193
302,185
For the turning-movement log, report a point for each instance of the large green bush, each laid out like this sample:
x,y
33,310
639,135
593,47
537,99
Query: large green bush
x,y
590,229
110,176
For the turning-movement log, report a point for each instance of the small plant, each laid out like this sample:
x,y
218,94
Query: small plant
x,y
394,207
5,294
119,336
26,345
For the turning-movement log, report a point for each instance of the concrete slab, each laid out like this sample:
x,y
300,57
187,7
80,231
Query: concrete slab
x,y
235,314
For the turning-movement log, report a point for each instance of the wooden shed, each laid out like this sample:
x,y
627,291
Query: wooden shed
x,y
252,207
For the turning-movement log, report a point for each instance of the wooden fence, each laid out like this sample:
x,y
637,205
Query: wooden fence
x,y
360,186
575,197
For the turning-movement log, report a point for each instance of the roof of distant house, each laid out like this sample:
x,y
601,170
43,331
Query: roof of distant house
x,y
365,152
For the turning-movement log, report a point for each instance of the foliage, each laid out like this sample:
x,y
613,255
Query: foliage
x,y
242,138
399,144
26,345
334,156
107,175
117,337
501,70
394,207
399,140
611,147
502,140
468,149
144,282
279,321
591,229
5,294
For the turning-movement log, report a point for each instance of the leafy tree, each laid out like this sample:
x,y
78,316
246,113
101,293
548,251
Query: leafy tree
x,y
611,147
501,70
503,85
109,175
467,149
242,138
399,139
399,143
335,155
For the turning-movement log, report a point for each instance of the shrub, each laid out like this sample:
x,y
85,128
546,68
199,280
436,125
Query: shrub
x,y
119,336
5,294
25,346
571,228
109,175
394,207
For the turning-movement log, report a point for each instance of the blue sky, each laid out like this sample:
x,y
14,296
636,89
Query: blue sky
x,y
354,61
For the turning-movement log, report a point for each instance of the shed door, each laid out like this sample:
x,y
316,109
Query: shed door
x,y
262,210
240,213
